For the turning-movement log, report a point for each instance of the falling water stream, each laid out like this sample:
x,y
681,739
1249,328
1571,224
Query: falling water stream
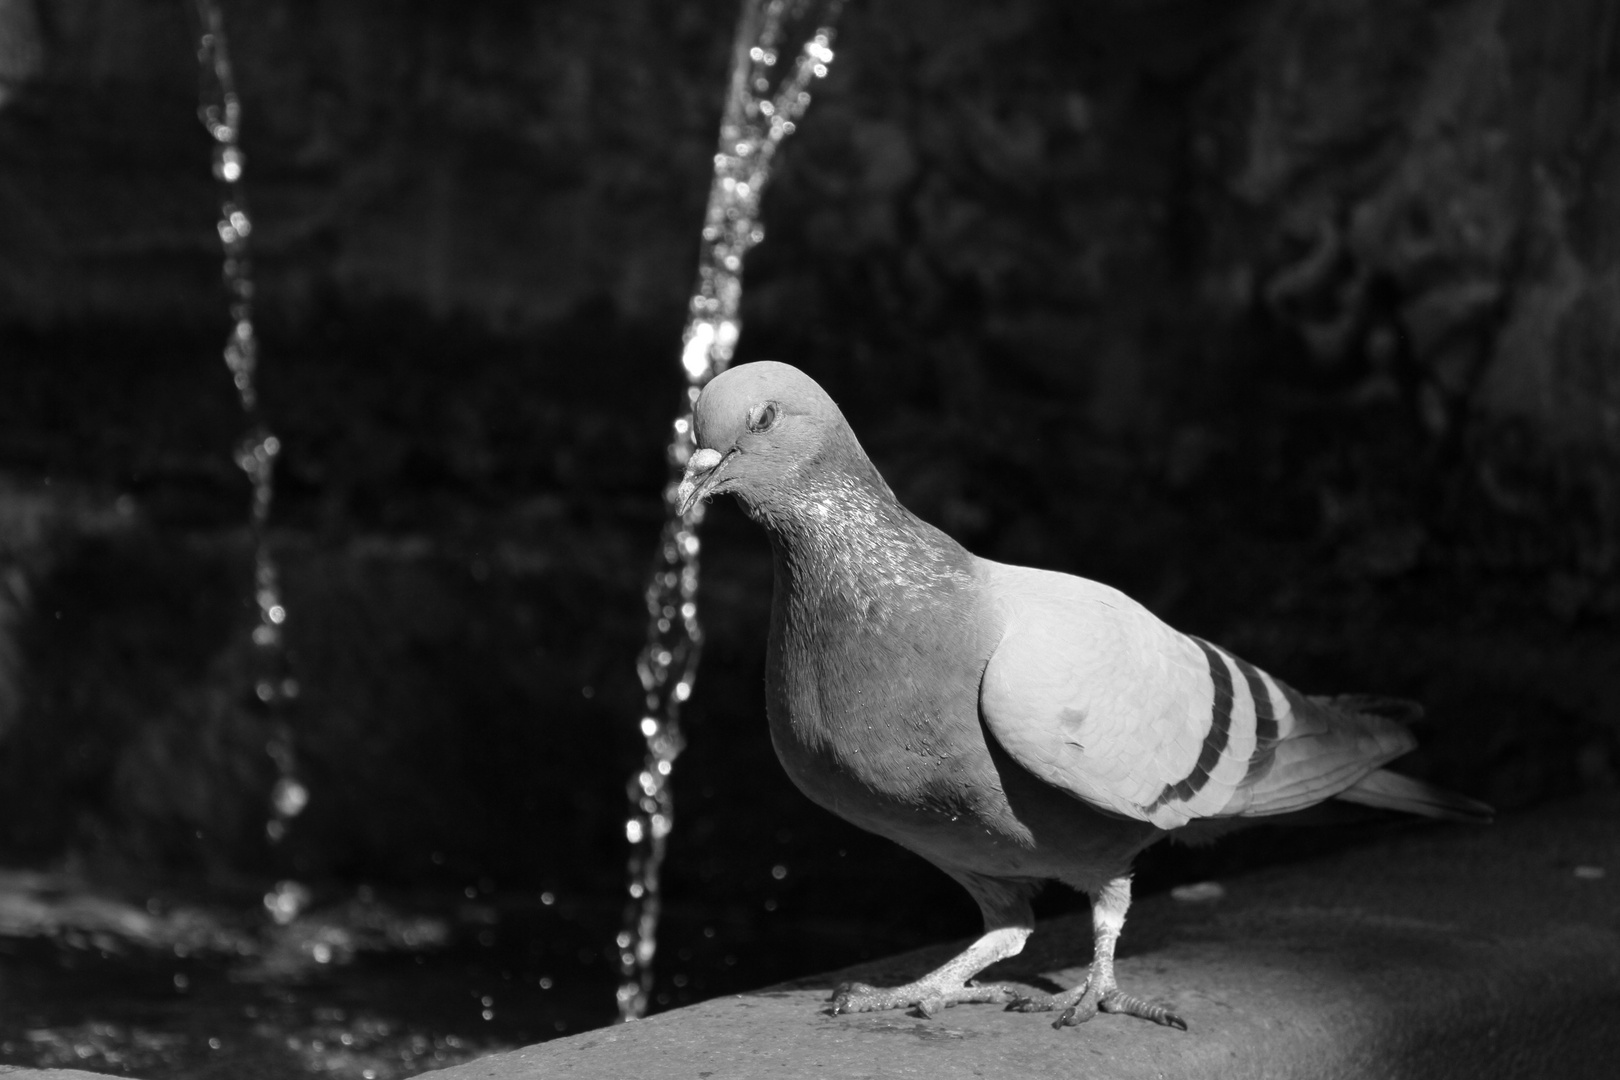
x,y
191,986
274,687
763,104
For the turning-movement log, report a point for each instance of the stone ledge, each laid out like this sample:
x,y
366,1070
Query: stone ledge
x,y
1444,952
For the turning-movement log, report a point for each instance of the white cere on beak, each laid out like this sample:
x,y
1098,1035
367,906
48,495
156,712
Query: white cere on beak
x,y
702,461
698,467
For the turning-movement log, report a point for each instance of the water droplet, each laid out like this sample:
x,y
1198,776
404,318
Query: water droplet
x,y
695,356
286,901
289,797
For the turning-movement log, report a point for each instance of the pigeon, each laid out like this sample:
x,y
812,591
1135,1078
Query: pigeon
x,y
1011,725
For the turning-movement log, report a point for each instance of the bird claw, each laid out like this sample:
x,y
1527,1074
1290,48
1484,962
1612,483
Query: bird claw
x,y
927,1008
925,1001
851,996
1117,1001
1083,1003
922,999
1028,1003
1078,1012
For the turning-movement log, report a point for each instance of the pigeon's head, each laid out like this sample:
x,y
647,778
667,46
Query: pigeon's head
x,y
760,426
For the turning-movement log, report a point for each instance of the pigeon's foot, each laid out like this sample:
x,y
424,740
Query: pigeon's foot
x,y
1100,993
1075,1007
1117,1001
924,998
949,984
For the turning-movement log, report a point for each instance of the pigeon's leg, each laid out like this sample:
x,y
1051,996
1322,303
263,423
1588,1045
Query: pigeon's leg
x,y
1008,922
945,985
1100,991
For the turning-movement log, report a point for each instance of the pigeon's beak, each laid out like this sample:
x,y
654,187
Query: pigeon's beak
x,y
699,480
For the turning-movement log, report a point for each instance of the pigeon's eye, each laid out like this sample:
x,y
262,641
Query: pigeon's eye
x,y
762,417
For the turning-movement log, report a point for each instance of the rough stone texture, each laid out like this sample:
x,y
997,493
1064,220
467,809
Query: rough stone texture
x,y
1445,953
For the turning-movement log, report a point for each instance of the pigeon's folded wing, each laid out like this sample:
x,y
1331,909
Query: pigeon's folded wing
x,y
1092,693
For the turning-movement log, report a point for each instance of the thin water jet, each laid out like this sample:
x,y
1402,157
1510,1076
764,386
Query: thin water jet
x,y
763,106
274,686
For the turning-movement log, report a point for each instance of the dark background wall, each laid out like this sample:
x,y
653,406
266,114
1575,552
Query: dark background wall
x,y
1295,318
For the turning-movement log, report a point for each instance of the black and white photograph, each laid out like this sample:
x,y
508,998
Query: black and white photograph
x,y
809,539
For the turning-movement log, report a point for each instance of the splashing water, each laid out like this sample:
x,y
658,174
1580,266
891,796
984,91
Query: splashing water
x,y
763,106
273,685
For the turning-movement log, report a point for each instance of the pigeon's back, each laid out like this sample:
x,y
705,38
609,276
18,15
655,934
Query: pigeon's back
x,y
1091,692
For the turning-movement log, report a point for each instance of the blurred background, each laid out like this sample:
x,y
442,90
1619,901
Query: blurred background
x,y
1299,320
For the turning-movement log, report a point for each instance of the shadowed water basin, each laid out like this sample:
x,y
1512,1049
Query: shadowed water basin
x,y
358,986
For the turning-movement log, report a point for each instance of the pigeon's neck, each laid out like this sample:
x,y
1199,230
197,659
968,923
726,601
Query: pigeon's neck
x,y
875,646
842,540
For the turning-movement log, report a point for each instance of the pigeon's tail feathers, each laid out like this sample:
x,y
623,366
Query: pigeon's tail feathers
x,y
1392,791
1390,708
1323,748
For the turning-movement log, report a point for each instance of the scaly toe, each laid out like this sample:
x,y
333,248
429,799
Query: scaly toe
x,y
856,997
990,993
1117,1001
1078,1006
1028,1003
1076,1014
922,998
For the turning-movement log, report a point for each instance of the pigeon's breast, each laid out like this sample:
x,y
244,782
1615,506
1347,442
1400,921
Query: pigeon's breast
x,y
873,700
